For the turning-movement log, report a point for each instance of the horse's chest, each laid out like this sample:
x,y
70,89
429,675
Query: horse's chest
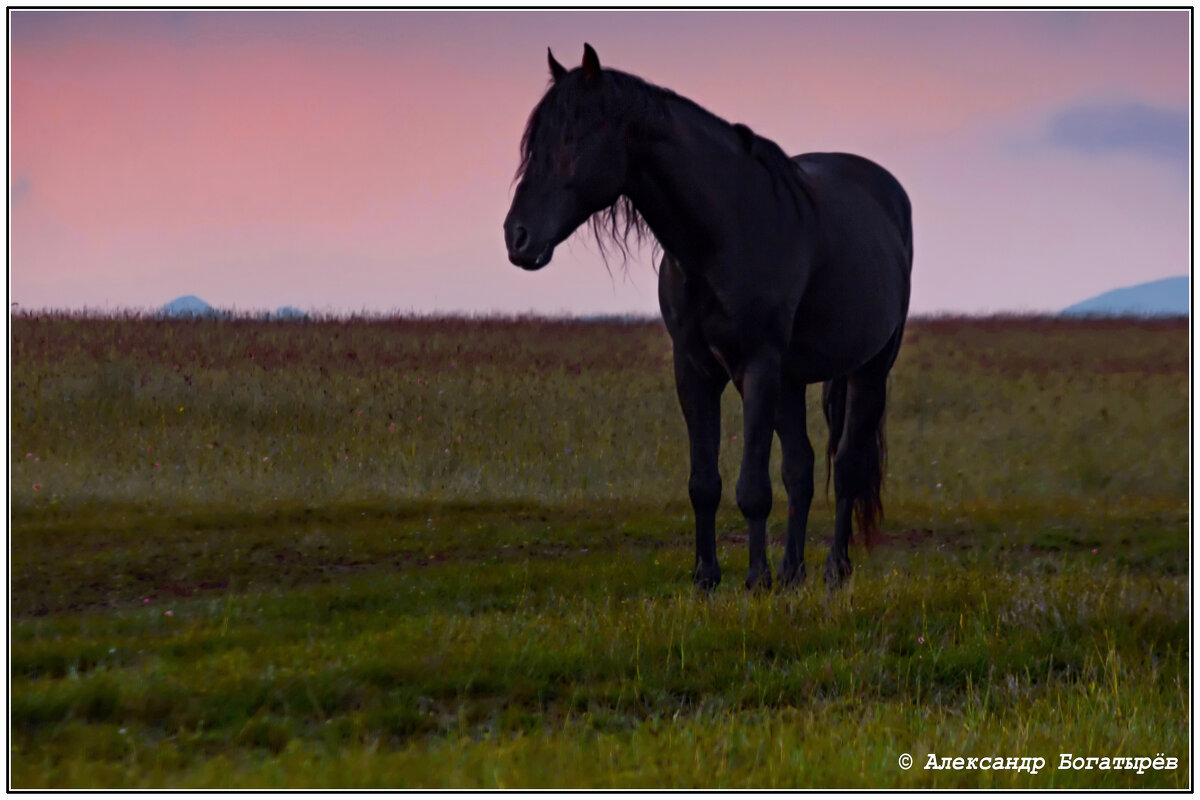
x,y
729,323
730,341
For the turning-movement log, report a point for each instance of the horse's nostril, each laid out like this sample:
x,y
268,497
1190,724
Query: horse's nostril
x,y
520,238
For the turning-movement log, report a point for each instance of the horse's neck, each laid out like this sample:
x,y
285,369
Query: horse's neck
x,y
679,183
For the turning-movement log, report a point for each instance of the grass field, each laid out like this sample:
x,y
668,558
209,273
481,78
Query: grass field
x,y
454,553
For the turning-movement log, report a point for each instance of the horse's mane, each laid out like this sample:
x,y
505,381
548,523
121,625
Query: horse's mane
x,y
630,102
782,169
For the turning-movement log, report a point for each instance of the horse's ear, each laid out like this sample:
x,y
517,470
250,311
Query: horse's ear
x,y
591,64
557,70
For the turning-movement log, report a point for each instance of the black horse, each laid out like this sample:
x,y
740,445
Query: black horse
x,y
776,273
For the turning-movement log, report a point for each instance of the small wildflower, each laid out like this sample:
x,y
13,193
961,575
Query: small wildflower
x,y
121,731
347,458
360,413
938,486
460,437
145,601
37,459
169,613
112,650
920,640
149,448
452,363
37,486
418,419
735,438
266,458
392,427
447,449
157,465
29,455
1094,551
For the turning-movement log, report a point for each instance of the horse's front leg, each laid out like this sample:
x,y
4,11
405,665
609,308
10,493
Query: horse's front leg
x,y
699,381
760,386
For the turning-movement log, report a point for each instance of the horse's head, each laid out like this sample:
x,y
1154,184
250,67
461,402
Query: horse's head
x,y
573,163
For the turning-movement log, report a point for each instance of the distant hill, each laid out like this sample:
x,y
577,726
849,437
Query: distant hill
x,y
191,306
1167,297
187,306
288,312
616,319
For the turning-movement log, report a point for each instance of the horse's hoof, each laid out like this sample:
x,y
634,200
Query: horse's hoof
x,y
706,577
792,576
837,570
759,579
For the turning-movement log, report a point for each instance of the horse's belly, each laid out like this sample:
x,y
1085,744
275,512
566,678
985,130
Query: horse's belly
x,y
811,366
835,333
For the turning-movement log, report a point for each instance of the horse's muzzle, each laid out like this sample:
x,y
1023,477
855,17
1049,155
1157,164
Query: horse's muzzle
x,y
524,261
523,250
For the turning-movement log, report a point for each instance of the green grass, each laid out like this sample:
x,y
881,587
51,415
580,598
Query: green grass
x,y
518,612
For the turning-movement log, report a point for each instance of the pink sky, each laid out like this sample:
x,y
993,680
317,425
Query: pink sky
x,y
363,160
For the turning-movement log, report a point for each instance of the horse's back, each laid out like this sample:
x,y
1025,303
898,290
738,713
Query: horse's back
x,y
861,267
832,171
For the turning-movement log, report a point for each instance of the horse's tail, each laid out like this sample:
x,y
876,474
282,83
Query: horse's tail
x,y
868,505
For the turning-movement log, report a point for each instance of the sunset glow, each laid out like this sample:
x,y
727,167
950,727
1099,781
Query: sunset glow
x,y
364,160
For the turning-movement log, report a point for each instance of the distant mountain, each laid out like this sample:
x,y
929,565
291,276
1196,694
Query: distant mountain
x,y
187,306
191,306
1167,297
616,319
288,312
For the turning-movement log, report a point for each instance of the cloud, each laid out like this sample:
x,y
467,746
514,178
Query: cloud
x,y
19,189
1131,127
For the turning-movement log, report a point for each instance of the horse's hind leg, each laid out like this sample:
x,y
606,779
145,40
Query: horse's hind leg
x,y
858,462
699,385
791,424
